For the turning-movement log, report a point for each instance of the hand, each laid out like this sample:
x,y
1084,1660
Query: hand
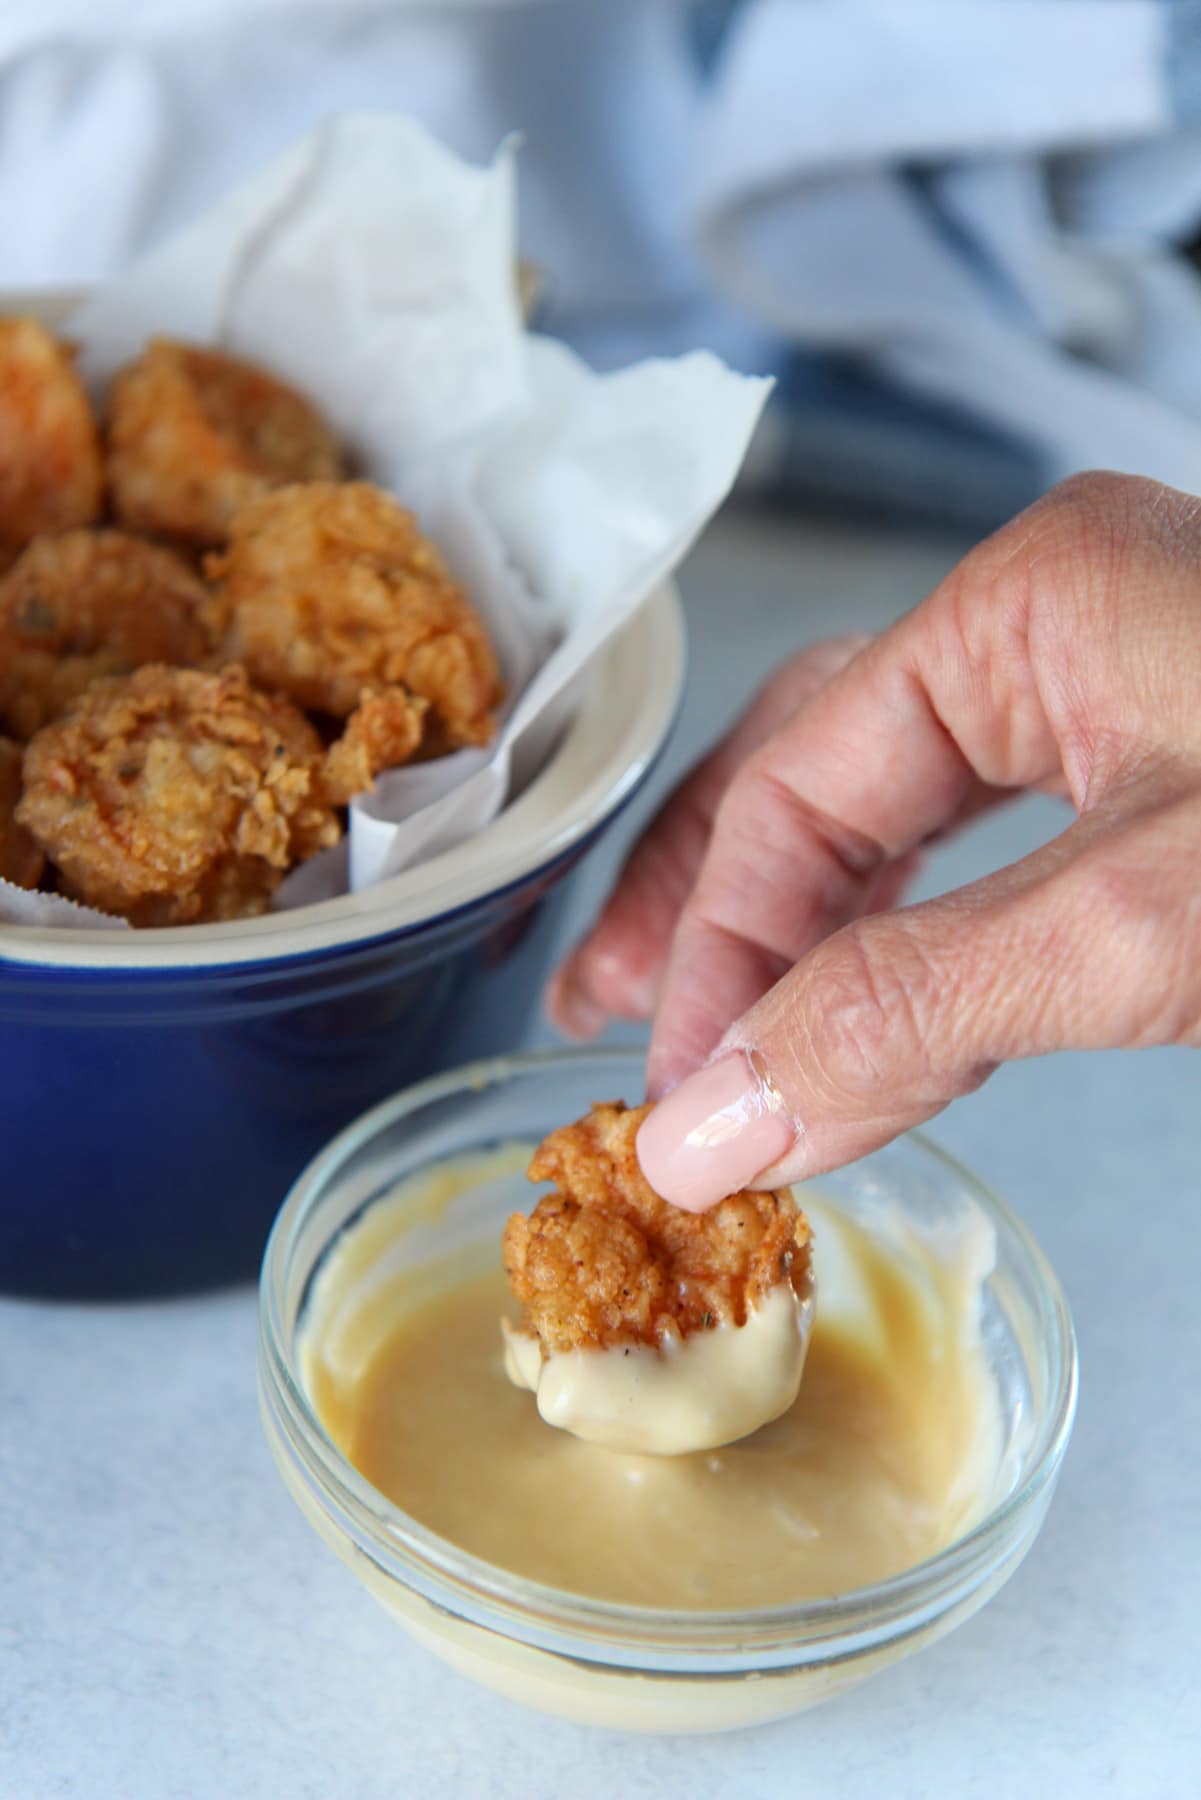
x,y
796,1028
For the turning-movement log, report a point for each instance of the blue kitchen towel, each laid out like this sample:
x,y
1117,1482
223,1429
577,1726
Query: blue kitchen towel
x,y
980,204
957,230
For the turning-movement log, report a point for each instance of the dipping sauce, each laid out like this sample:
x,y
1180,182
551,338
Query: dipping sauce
x,y
888,1453
702,1392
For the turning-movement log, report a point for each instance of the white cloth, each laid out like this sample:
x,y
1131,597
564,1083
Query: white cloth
x,y
977,201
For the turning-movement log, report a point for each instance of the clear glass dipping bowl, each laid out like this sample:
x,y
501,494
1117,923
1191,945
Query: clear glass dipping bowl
x,y
629,1667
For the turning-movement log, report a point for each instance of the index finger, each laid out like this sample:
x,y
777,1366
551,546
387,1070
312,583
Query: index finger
x,y
882,759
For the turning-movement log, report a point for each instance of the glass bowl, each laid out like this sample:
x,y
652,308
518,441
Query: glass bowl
x,y
630,1667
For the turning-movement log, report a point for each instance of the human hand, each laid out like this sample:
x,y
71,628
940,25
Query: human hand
x,y
796,1028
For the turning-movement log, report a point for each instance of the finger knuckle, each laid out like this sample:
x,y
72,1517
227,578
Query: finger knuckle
x,y
864,1016
1093,494
1098,532
1079,613
1081,534
1127,505
763,805
1133,900
758,829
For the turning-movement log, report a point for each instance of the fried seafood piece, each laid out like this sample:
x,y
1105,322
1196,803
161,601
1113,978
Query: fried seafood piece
x,y
194,434
603,1260
173,795
327,591
21,860
383,731
50,468
86,604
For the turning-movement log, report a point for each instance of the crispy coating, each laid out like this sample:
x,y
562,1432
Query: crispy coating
x,y
174,795
603,1260
50,469
327,590
21,861
86,604
194,434
383,731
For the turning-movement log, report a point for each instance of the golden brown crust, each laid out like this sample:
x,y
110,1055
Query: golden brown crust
x,y
86,604
603,1260
21,861
382,732
50,468
330,589
172,795
194,434
168,799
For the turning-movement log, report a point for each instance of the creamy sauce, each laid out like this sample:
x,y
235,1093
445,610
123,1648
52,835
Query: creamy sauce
x,y
693,1393
887,1454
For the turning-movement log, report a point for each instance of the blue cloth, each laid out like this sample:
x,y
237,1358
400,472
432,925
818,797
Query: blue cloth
x,y
966,218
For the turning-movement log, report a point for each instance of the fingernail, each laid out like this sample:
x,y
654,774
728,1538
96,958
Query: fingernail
x,y
714,1133
634,991
574,1012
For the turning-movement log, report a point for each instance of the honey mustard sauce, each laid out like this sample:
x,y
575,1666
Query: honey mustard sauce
x,y
886,1454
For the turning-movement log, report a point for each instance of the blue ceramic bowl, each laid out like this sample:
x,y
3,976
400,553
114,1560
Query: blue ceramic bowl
x,y
162,1089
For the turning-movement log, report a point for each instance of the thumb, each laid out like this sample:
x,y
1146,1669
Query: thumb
x,y
888,1020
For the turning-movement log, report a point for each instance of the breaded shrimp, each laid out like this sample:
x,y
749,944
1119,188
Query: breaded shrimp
x,y
194,434
85,604
603,1260
326,591
383,731
21,861
172,795
50,469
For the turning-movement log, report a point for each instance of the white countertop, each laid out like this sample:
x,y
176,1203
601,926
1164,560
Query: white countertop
x,y
170,1627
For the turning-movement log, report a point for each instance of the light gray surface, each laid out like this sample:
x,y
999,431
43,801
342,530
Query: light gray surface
x,y
169,1626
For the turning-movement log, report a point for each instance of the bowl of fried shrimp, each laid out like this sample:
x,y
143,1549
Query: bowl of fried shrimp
x,y
213,637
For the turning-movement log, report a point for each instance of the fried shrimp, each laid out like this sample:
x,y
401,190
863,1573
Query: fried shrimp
x,y
86,604
21,861
50,468
330,591
383,731
173,795
604,1261
194,434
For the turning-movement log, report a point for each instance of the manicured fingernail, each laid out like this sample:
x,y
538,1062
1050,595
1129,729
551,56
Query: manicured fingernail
x,y
574,1012
714,1134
